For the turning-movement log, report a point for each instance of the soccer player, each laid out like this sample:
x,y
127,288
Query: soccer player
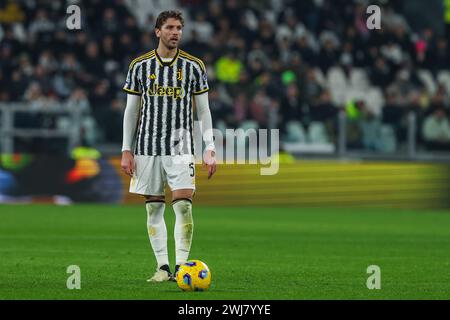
x,y
158,144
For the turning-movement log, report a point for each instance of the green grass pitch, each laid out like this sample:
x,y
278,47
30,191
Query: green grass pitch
x,y
268,253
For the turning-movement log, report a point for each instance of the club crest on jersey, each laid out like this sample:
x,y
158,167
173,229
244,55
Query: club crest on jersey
x,y
152,76
174,92
179,75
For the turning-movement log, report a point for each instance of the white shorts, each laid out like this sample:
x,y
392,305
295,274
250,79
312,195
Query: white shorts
x,y
151,174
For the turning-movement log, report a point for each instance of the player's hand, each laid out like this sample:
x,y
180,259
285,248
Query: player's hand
x,y
210,162
127,163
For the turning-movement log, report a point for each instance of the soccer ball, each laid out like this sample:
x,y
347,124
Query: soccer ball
x,y
194,275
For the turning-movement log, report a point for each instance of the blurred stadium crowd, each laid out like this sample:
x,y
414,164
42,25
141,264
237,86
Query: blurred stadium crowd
x,y
271,64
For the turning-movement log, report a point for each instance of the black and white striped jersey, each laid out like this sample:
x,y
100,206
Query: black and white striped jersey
x,y
166,88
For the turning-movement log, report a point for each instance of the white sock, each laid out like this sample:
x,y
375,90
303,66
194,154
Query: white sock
x,y
157,231
184,227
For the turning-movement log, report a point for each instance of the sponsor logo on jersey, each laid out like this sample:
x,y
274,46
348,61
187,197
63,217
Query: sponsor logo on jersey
x,y
174,92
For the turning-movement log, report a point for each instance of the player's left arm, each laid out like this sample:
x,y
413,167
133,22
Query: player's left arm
x,y
204,116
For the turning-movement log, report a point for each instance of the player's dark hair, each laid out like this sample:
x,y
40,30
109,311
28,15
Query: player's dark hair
x,y
163,16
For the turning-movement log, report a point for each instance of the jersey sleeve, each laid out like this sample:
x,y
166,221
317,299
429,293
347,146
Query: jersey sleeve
x,y
201,81
132,82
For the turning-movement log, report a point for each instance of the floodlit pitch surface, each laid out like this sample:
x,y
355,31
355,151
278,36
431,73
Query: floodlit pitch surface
x,y
253,253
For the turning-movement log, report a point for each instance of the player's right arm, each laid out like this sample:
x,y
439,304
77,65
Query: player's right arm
x,y
130,120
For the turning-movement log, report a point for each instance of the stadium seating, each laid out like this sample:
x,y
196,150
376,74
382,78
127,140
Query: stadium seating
x,y
42,60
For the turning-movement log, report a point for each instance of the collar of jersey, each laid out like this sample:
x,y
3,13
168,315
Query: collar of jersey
x,y
168,63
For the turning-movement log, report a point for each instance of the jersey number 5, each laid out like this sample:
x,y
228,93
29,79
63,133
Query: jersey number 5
x,y
191,166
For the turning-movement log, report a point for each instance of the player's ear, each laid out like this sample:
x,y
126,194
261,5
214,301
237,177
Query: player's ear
x,y
157,32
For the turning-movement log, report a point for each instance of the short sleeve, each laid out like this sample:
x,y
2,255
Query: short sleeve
x,y
201,81
132,82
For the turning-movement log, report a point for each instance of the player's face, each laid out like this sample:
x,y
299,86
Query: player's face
x,y
170,33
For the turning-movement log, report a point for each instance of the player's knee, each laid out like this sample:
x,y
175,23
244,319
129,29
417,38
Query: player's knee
x,y
183,206
155,208
154,212
186,208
